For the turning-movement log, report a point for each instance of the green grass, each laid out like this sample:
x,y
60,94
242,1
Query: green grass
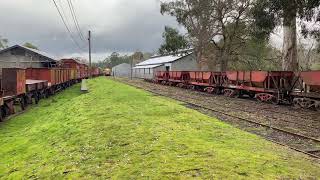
x,y
116,131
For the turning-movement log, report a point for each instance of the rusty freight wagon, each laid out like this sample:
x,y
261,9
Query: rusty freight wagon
x,y
76,66
210,82
307,90
95,71
35,89
42,74
265,86
12,89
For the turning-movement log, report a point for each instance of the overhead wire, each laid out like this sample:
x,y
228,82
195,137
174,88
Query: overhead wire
x,y
67,21
74,15
65,24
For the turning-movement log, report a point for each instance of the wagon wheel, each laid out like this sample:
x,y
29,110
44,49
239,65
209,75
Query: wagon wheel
x,y
237,94
231,93
226,92
318,107
36,98
209,90
45,94
22,104
252,95
2,115
6,111
265,97
274,100
296,103
51,91
26,101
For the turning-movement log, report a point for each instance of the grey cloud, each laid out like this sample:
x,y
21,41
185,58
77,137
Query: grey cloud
x,y
117,25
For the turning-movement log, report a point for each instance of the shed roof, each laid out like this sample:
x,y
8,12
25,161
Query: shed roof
x,y
122,64
73,59
161,60
147,66
51,58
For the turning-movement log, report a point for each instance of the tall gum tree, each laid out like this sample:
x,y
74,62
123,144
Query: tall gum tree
x,y
269,14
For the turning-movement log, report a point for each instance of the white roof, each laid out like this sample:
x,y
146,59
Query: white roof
x,y
147,66
161,60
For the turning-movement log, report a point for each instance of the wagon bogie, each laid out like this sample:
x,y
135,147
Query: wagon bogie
x,y
2,114
306,103
9,107
232,93
267,98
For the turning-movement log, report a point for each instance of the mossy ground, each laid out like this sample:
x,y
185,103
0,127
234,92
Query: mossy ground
x,y
116,131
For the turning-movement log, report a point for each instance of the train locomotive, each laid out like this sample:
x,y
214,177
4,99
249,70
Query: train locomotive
x,y
302,89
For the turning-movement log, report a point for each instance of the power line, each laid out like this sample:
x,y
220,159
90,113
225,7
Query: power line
x,y
64,14
65,24
73,12
74,20
67,21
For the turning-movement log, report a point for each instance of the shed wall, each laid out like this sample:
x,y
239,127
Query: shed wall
x,y
122,70
7,60
147,73
187,63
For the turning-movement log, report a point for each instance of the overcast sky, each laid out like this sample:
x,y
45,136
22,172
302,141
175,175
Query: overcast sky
x,y
117,25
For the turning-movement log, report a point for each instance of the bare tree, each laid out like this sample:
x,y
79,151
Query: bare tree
x,y
307,53
214,26
3,43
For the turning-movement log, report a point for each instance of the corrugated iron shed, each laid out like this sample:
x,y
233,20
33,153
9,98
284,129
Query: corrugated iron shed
x,y
162,60
40,53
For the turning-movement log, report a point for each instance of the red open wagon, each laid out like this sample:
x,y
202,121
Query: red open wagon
x,y
307,90
162,76
42,74
13,88
268,86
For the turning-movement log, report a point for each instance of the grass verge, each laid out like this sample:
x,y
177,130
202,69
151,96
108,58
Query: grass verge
x,y
117,131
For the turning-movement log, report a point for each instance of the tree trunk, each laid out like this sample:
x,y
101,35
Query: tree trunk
x,y
199,58
289,55
223,61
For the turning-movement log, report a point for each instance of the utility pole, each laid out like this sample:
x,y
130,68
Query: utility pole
x,y
131,64
89,39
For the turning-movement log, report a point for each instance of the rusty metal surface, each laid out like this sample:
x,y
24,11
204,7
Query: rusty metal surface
x,y
311,78
13,81
78,67
248,76
41,74
32,81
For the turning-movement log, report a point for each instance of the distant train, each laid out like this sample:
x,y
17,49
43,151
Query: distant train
x,y
107,72
25,86
302,89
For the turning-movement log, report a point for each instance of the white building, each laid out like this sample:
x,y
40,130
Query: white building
x,y
122,70
148,68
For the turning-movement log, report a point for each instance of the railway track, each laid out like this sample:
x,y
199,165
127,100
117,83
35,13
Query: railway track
x,y
306,126
312,153
267,110
266,107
